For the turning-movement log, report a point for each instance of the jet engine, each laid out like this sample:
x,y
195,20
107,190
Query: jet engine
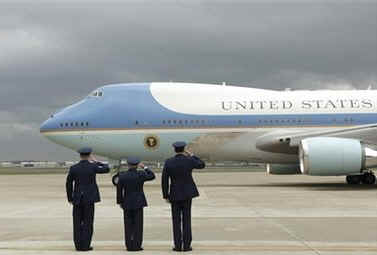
x,y
332,156
283,169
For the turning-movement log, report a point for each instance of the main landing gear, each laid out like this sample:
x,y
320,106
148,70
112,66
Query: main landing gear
x,y
365,178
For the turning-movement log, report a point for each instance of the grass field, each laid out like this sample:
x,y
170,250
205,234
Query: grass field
x,y
24,170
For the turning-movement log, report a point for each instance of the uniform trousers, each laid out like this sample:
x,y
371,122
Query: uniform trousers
x,y
181,216
133,228
83,217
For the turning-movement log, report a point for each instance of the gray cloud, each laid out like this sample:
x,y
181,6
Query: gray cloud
x,y
52,54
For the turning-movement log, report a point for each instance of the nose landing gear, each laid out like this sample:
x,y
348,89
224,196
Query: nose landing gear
x,y
117,167
367,178
115,179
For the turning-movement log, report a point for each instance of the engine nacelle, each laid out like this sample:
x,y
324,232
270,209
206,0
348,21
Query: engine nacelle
x,y
331,156
283,169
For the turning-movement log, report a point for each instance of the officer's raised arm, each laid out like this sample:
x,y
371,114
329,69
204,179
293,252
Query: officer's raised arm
x,y
101,168
197,163
147,174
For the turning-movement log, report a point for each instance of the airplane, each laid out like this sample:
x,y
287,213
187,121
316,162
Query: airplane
x,y
312,132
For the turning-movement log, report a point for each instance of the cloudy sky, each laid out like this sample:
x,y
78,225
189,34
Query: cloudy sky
x,y
52,53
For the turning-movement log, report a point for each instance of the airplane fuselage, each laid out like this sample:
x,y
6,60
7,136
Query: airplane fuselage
x,y
218,122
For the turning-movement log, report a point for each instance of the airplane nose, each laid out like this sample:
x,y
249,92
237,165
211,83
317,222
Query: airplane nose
x,y
43,126
48,125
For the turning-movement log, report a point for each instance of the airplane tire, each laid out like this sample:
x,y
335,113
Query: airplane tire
x,y
115,179
368,179
354,179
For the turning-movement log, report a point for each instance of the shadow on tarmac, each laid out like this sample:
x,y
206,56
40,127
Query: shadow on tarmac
x,y
336,186
312,186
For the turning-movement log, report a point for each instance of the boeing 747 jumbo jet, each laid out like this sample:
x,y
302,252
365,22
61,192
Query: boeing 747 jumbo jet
x,y
324,132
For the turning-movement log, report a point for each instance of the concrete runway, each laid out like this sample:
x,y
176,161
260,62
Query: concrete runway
x,y
237,213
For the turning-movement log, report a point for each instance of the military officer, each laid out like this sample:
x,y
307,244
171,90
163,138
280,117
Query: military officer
x,y
180,192
83,193
131,198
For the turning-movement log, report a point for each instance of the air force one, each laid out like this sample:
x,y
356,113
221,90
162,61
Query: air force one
x,y
324,132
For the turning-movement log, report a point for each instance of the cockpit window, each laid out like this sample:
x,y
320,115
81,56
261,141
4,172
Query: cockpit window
x,y
97,93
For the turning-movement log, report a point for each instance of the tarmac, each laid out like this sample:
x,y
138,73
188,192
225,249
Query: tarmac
x,y
237,213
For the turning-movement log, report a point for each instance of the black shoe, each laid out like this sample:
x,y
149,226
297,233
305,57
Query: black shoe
x,y
88,249
136,249
187,249
176,249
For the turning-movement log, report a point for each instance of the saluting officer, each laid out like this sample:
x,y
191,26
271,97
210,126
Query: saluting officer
x,y
131,198
83,193
182,190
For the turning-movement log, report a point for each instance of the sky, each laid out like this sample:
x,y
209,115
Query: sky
x,y
53,53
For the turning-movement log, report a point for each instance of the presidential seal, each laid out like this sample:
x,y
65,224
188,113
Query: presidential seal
x,y
151,142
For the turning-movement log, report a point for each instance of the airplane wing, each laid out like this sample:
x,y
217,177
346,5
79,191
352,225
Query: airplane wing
x,y
288,142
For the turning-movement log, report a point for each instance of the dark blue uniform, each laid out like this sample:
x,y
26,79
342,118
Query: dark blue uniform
x,y
131,197
180,192
82,192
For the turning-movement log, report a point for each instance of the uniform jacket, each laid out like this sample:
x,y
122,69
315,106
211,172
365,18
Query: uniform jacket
x,y
130,192
178,170
81,184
